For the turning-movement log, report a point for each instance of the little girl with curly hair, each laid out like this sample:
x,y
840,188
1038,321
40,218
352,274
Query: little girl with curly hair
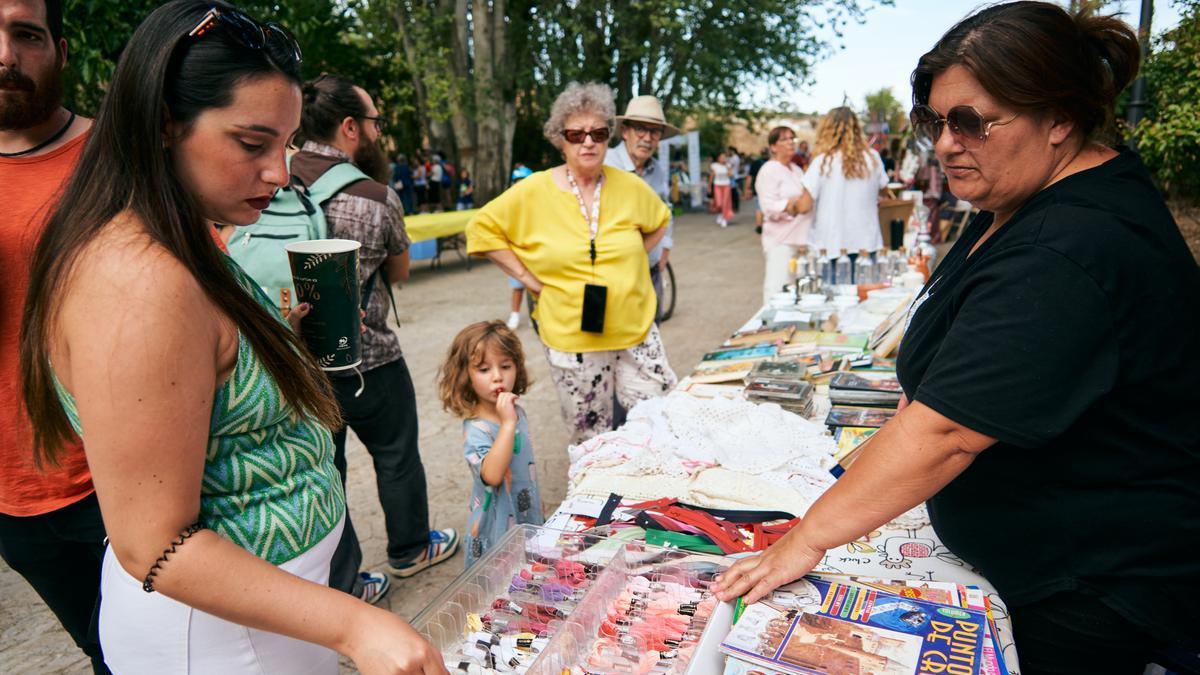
x,y
480,381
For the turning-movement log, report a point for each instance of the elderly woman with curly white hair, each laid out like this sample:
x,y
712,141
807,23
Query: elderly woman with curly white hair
x,y
577,237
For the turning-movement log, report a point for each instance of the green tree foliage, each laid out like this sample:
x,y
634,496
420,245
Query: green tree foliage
x,y
694,55
1168,137
93,51
476,78
882,106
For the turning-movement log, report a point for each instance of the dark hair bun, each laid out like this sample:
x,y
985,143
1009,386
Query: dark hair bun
x,y
1117,48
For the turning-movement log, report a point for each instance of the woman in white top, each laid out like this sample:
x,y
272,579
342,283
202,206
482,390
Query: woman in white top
x,y
722,197
844,180
780,190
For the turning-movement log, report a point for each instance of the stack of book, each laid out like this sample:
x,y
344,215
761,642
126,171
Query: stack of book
x,y
844,625
863,398
730,363
781,381
865,388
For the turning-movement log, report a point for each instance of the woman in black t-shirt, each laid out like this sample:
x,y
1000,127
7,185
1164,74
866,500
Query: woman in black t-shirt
x,y
1051,359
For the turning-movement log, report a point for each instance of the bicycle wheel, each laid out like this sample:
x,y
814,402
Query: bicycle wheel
x,y
668,293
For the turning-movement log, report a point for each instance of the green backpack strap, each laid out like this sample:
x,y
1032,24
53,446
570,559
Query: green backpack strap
x,y
333,181
328,184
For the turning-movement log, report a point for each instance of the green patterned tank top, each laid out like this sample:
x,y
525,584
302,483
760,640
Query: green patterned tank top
x,y
269,481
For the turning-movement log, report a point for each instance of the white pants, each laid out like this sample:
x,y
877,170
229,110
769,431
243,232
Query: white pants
x,y
586,382
777,272
150,633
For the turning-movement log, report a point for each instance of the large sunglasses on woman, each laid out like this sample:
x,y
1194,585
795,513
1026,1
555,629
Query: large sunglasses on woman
x,y
250,33
576,136
965,122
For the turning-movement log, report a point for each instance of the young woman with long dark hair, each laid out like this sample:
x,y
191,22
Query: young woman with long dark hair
x,y
205,423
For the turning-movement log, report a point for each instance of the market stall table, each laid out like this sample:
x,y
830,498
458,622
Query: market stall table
x,y
435,233
906,549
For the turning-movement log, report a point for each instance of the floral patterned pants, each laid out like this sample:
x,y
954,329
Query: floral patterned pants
x,y
586,382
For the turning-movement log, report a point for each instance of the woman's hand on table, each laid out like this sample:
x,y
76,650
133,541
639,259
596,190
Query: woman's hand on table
x,y
384,644
790,558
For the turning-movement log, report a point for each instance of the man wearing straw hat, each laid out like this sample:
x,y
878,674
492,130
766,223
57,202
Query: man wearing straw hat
x,y
641,128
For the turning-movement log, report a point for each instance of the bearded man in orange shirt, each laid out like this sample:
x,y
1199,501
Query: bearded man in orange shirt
x,y
50,527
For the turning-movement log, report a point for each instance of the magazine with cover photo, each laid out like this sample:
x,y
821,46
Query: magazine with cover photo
x,y
814,626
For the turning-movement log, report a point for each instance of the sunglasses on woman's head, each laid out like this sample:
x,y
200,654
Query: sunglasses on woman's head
x,y
965,122
249,33
576,136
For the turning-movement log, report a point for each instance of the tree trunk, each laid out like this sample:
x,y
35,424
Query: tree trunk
x,y
462,120
492,106
402,21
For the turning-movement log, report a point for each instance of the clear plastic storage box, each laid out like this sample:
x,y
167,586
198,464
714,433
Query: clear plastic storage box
x,y
560,587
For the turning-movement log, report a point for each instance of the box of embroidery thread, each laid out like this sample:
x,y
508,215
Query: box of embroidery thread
x,y
545,602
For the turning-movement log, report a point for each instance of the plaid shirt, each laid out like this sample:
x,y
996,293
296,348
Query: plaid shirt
x,y
369,213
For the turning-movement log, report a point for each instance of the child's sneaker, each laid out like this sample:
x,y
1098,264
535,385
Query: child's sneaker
x,y
514,320
442,546
374,586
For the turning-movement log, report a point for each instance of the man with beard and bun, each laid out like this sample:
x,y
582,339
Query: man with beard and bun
x,y
341,124
50,527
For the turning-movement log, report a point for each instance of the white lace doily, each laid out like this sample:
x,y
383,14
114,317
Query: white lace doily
x,y
716,453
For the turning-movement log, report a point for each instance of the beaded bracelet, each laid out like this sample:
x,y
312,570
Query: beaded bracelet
x,y
148,582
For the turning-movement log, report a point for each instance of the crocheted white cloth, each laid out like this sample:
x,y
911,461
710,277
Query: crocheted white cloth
x,y
717,453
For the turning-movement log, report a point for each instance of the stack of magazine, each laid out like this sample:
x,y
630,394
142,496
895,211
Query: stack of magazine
x,y
781,381
823,624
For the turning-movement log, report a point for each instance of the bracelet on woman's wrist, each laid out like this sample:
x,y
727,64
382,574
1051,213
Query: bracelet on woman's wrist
x,y
148,582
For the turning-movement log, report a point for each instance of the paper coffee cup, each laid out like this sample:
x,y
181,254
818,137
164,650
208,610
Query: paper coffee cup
x,y
325,273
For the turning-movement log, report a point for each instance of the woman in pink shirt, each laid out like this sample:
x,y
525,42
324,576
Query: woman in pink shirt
x,y
780,187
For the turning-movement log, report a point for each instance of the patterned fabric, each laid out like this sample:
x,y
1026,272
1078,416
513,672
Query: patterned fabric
x,y
586,382
371,214
269,482
494,509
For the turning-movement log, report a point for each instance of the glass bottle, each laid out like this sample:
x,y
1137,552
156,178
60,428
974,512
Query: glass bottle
x,y
864,268
825,268
883,267
842,271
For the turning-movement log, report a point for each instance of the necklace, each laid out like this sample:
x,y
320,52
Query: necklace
x,y
593,220
57,135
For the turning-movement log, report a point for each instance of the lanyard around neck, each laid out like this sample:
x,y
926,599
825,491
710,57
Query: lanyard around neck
x,y
593,219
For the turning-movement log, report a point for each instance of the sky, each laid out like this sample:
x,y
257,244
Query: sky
x,y
882,51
